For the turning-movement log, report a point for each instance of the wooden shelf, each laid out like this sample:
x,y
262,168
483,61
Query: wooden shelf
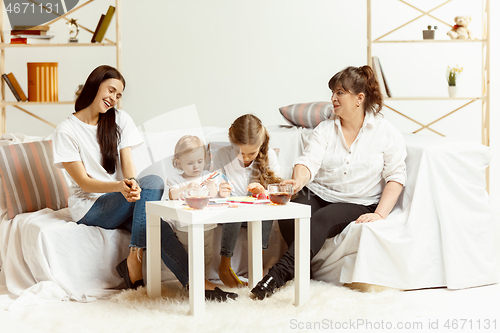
x,y
420,98
38,103
484,42
5,47
56,45
432,41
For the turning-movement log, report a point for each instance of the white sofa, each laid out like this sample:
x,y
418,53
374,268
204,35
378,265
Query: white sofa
x,y
439,234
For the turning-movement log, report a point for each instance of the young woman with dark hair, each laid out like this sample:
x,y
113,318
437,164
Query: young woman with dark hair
x,y
354,165
94,146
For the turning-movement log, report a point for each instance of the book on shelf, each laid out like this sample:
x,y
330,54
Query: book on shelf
x,y
31,39
31,27
42,82
103,25
385,80
97,28
28,32
19,41
377,69
18,92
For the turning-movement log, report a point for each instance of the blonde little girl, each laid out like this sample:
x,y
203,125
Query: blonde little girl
x,y
189,157
250,166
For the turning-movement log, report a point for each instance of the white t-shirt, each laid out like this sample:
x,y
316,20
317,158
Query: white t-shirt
x,y
226,161
356,174
177,181
75,140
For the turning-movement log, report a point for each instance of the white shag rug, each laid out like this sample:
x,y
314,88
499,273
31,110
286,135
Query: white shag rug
x,y
131,311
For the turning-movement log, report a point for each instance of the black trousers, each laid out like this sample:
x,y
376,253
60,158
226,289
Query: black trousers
x,y
327,220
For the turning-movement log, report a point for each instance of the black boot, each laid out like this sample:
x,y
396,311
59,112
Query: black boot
x,y
265,288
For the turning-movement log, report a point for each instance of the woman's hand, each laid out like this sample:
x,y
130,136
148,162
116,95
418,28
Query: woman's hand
x,y
130,190
224,189
294,183
369,217
256,188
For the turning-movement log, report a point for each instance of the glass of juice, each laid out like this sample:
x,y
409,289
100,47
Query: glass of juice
x,y
280,194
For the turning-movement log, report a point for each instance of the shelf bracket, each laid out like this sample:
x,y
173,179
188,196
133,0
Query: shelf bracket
x,y
446,115
423,14
422,126
410,118
35,116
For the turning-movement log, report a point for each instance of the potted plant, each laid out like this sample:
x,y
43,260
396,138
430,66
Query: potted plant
x,y
429,33
452,74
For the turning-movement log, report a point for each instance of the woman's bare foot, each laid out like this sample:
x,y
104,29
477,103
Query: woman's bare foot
x,y
225,274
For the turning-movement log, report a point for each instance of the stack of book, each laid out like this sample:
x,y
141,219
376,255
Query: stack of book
x,y
30,35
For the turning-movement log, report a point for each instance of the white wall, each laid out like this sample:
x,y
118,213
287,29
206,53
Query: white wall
x,y
231,57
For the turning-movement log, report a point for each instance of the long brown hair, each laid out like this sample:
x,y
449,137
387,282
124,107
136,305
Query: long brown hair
x,y
357,80
248,130
108,131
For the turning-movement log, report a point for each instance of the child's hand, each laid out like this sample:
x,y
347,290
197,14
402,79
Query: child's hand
x,y
193,186
256,188
224,189
209,182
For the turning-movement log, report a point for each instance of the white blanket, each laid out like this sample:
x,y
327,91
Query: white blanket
x,y
47,257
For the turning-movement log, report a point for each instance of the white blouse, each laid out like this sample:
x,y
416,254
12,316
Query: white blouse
x,y
75,140
357,174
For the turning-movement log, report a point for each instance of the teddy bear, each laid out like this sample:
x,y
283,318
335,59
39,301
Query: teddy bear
x,y
460,30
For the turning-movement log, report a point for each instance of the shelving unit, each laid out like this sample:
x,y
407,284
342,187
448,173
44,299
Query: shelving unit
x,y
3,47
485,66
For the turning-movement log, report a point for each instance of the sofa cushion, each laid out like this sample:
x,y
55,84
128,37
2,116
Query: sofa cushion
x,y
30,181
307,115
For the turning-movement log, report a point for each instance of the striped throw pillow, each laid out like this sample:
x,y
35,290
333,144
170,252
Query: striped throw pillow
x,y
307,115
30,181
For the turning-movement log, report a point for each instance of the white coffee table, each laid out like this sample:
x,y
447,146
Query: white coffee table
x,y
195,219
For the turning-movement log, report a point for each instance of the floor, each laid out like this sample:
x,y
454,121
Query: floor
x,y
435,310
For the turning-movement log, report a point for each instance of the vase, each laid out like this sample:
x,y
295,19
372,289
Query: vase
x,y
452,91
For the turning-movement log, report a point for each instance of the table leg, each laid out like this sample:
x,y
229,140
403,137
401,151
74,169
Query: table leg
x,y
153,255
302,260
196,270
254,253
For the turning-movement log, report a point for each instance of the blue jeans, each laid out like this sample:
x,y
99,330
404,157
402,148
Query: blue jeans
x,y
230,232
112,211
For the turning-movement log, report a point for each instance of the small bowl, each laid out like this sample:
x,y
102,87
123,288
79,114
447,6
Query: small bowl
x,y
196,198
280,194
